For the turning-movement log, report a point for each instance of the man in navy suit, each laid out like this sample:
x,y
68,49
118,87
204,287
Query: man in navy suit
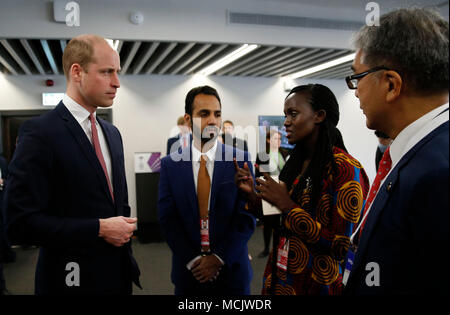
x,y
402,82
6,253
67,192
210,254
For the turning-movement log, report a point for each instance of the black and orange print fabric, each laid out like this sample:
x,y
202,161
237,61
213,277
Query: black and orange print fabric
x,y
319,244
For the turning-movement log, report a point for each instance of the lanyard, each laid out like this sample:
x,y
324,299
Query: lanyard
x,y
361,222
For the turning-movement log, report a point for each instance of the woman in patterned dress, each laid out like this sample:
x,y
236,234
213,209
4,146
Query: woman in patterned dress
x,y
321,193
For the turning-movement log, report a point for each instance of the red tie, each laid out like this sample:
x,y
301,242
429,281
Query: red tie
x,y
383,169
98,151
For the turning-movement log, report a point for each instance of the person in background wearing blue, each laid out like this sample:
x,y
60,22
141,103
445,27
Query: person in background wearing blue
x,y
182,139
383,143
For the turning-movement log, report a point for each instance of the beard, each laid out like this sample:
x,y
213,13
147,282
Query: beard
x,y
209,133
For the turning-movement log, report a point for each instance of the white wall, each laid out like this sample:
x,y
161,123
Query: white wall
x,y
178,20
193,20
146,109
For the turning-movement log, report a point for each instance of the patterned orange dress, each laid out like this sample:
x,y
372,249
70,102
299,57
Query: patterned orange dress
x,y
318,243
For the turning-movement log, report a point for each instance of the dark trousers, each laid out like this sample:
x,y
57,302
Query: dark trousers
x,y
270,222
2,279
218,287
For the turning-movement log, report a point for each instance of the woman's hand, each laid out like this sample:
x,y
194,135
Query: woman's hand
x,y
274,193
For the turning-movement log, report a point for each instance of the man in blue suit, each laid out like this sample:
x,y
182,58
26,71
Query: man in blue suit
x,y
67,192
402,82
200,208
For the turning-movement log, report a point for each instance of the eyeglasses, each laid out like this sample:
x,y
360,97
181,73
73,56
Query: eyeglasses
x,y
352,80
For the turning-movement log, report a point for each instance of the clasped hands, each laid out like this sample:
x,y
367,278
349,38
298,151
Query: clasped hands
x,y
117,231
206,268
266,188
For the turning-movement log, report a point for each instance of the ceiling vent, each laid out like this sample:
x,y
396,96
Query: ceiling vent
x,y
291,21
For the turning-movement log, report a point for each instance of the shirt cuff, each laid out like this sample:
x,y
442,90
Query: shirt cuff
x,y
189,265
220,259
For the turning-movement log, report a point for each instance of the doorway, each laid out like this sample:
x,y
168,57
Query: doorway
x,y
12,120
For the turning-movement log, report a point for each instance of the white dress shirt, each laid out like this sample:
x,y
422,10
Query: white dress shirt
x,y
416,131
407,139
81,115
196,156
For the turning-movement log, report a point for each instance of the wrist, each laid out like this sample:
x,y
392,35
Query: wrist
x,y
288,206
101,223
219,261
252,196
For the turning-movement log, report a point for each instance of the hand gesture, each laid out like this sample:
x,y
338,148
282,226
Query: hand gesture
x,y
243,178
274,193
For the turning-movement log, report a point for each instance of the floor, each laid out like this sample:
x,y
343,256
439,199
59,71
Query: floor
x,y
154,260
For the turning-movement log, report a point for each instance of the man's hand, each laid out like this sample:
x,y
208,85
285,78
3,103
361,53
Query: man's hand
x,y
206,268
117,230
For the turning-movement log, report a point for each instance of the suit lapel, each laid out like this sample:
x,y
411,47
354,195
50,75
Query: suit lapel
x,y
375,211
220,172
84,143
384,193
217,176
186,175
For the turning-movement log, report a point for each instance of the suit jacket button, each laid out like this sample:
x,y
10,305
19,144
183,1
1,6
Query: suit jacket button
x,y
389,186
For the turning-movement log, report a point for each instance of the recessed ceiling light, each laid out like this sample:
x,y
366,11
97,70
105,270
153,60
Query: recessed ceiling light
x,y
322,66
238,53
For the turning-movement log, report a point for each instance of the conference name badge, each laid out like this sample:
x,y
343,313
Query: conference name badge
x,y
283,251
348,265
204,232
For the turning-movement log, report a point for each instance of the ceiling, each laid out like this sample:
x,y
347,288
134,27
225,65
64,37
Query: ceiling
x,y
43,57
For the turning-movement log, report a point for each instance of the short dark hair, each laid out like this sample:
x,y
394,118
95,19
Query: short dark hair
x,y
413,42
228,122
207,90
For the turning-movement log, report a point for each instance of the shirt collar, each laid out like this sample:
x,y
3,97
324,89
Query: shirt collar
x,y
78,112
403,142
211,154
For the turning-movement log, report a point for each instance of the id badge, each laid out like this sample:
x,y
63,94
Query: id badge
x,y
204,232
348,265
283,251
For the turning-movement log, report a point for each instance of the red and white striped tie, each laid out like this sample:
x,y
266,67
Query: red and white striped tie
x,y
98,152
